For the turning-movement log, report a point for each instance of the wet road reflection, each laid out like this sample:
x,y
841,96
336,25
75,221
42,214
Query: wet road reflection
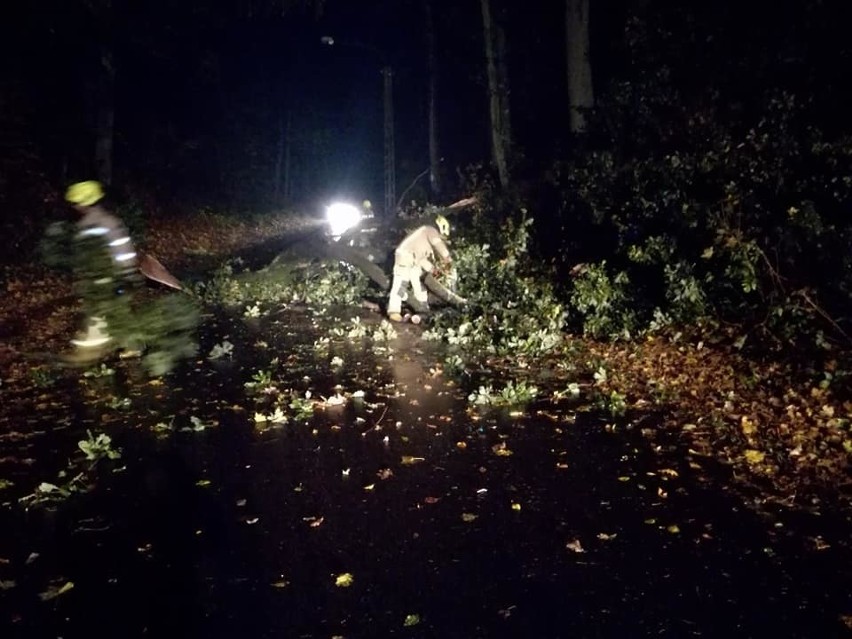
x,y
450,523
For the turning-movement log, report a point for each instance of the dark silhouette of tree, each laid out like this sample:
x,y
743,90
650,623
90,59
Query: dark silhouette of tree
x,y
432,98
498,91
581,95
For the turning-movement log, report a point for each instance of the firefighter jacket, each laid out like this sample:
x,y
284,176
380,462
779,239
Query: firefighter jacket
x,y
419,247
98,223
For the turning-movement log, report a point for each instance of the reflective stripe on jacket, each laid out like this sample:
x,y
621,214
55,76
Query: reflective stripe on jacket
x,y
97,222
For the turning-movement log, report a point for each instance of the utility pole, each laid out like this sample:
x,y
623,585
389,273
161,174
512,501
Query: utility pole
x,y
387,102
390,155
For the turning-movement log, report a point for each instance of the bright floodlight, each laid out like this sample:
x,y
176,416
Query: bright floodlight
x,y
342,217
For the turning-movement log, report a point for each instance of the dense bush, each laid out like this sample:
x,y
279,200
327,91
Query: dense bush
x,y
686,212
512,308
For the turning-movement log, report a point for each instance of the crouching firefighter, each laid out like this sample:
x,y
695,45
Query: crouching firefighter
x,y
412,259
106,266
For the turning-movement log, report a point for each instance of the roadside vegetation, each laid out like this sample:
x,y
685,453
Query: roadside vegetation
x,y
524,342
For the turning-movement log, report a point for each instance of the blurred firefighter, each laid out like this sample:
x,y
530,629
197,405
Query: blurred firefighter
x,y
412,259
106,264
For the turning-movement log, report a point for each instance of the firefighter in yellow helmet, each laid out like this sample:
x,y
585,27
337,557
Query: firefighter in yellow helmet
x,y
99,229
412,259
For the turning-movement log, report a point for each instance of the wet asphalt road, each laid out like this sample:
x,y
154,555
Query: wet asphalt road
x,y
451,523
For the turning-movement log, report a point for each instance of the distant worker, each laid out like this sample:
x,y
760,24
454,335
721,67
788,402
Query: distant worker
x,y
107,264
413,258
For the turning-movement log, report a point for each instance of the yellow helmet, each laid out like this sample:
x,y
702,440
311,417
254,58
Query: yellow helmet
x,y
85,193
443,225
367,205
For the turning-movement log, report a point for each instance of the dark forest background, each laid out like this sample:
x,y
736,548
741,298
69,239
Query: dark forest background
x,y
203,89
711,179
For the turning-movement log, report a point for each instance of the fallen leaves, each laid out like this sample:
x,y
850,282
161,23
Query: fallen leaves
x,y
736,410
753,456
344,580
748,426
575,546
501,450
56,590
819,543
411,620
700,392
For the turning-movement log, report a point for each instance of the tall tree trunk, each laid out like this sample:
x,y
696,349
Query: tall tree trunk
x,y
222,157
498,93
432,66
104,93
581,95
288,155
503,83
390,146
105,118
282,159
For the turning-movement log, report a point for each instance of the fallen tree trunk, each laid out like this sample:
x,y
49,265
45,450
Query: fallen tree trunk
x,y
377,275
358,260
318,246
442,291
